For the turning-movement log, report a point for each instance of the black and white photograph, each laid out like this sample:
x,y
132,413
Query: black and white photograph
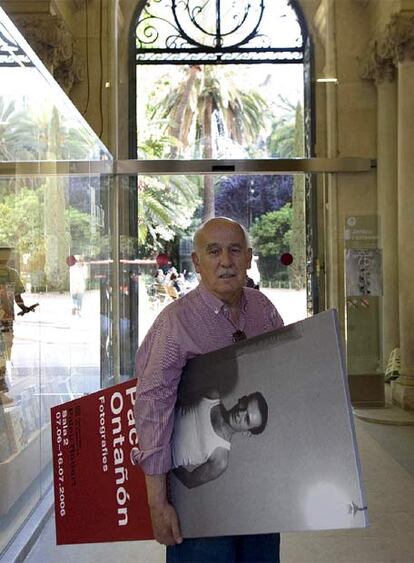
x,y
277,449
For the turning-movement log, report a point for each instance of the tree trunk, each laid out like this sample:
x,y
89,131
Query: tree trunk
x,y
298,240
208,193
56,235
181,122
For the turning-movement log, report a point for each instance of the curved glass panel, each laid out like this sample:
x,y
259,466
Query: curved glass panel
x,y
55,271
37,119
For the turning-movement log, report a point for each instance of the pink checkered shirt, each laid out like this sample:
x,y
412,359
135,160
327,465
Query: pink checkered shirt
x,y
195,324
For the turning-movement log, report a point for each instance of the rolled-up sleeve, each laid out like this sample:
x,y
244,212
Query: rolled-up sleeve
x,y
275,318
158,367
270,313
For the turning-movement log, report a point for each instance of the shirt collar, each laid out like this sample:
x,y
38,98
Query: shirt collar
x,y
215,303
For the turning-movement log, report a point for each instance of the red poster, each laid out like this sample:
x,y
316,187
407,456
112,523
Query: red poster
x,y
100,496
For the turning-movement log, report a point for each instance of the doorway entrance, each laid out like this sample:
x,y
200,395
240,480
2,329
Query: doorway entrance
x,y
260,202
220,83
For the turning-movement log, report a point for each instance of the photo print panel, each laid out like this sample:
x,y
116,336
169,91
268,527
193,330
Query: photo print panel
x,y
302,471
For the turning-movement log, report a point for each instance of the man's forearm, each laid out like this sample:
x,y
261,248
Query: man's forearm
x,y
156,489
163,516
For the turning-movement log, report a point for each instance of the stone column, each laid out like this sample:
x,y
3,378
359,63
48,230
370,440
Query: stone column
x,y
403,388
401,33
54,44
387,182
379,66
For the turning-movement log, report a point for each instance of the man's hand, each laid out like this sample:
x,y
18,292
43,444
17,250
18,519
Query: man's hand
x,y
164,519
165,524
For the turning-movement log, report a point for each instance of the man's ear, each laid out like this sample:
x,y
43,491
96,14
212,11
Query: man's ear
x,y
196,262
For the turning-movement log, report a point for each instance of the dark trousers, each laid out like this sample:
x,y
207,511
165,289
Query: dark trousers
x,y
260,548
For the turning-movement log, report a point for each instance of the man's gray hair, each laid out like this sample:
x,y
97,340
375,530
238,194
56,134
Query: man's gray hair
x,y
201,227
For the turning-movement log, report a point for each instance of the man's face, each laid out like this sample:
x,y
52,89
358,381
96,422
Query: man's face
x,y
245,415
222,258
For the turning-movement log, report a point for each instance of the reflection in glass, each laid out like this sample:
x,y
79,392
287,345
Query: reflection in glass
x,y
58,228
37,119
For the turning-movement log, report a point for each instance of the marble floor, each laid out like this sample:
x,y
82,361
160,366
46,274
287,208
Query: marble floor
x,y
386,445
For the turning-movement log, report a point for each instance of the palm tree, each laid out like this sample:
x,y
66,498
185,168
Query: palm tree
x,y
206,106
287,141
165,203
298,239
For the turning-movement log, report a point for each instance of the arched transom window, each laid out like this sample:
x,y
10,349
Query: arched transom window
x,y
220,31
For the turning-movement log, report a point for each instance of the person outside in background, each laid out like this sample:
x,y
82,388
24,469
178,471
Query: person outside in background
x,y
251,283
78,274
218,312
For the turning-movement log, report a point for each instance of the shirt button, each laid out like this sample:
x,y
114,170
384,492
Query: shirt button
x,y
216,311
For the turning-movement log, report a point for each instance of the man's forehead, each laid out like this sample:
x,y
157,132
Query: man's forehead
x,y
230,233
214,244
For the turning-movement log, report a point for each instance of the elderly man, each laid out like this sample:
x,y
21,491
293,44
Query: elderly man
x,y
220,311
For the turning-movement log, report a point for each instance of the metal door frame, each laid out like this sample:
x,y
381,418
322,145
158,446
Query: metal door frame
x,y
130,168
185,167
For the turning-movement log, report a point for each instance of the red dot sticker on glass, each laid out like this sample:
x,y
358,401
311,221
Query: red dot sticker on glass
x,y
70,260
286,259
162,260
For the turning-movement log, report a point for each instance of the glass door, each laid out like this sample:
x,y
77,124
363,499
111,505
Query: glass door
x,y
270,207
271,198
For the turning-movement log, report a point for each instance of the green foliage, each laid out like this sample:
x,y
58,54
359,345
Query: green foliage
x,y
21,221
23,225
38,134
204,112
271,235
79,226
184,108
84,239
166,204
283,139
297,271
272,231
156,147
17,132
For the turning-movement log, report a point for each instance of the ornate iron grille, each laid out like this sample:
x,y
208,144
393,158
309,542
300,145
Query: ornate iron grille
x,y
11,54
219,32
